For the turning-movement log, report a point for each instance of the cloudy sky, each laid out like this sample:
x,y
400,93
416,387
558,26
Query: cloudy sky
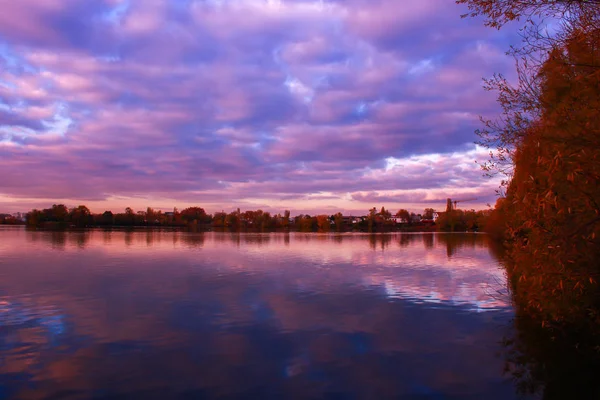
x,y
307,105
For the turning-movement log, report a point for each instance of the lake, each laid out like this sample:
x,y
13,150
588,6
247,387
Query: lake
x,y
161,315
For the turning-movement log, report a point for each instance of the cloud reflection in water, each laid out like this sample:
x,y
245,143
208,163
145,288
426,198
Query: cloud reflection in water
x,y
174,314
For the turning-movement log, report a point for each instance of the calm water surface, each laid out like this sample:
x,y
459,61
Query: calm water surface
x,y
160,315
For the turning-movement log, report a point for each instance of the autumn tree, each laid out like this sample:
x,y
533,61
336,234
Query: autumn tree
x,y
266,221
306,223
34,218
151,215
497,13
194,215
130,216
403,214
107,218
520,103
58,213
80,216
554,194
385,214
338,220
219,220
234,220
7,219
371,218
323,223
56,216
428,213
549,137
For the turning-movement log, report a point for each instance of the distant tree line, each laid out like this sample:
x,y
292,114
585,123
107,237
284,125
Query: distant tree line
x,y
60,216
464,221
7,219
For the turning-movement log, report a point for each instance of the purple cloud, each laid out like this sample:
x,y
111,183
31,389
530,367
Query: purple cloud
x,y
284,104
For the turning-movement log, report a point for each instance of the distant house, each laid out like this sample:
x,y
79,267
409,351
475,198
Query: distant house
x,y
169,214
349,219
19,216
398,220
438,215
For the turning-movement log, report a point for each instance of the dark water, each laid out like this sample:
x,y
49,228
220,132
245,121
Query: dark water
x,y
160,315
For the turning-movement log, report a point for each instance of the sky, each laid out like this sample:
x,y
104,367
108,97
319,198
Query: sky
x,y
315,106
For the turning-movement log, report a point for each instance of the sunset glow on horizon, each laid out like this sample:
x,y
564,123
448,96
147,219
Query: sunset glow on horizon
x,y
311,106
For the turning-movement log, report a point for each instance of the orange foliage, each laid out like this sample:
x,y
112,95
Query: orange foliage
x,y
553,210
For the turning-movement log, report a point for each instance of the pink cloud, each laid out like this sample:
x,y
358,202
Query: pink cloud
x,y
256,101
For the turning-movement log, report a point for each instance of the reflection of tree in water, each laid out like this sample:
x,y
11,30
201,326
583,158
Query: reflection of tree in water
x,y
428,240
550,357
381,241
262,332
452,241
338,239
553,363
150,238
497,250
193,239
128,238
258,239
106,236
58,239
79,239
406,240
455,242
235,237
